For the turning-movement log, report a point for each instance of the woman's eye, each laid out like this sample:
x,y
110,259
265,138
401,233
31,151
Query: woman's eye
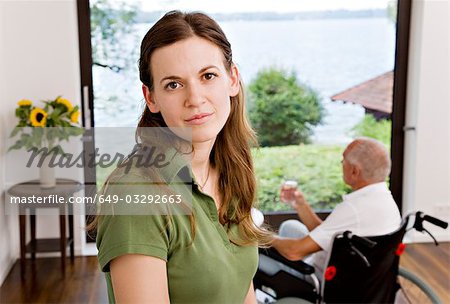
x,y
210,76
172,85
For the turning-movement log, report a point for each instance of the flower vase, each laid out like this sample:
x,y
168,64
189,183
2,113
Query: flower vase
x,y
47,174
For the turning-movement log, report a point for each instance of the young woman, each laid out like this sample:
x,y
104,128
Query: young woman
x,y
209,255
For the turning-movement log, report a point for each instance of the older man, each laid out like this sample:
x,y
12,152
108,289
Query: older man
x,y
368,211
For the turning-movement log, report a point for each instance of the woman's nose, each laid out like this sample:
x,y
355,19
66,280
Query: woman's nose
x,y
194,96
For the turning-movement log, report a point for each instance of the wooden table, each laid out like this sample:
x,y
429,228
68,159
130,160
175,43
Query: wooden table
x,y
64,188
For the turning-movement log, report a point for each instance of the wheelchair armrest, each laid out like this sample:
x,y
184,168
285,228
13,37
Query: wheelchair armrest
x,y
300,266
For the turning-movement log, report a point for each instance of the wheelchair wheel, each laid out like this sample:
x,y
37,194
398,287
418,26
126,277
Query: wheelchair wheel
x,y
413,290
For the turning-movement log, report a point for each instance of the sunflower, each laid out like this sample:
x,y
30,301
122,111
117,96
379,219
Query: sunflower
x,y
38,117
24,103
74,116
66,103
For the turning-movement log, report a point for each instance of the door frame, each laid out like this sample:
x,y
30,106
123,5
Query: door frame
x,y
398,107
87,102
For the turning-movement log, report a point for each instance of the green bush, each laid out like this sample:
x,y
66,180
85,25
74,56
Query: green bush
x,y
370,127
317,169
282,111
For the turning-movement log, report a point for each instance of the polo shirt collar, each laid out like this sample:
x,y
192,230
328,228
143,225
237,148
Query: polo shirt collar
x,y
355,195
175,166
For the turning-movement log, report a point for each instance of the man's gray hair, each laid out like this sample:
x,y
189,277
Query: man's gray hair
x,y
372,157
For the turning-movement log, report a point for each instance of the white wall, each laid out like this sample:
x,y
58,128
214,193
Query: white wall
x,y
427,159
38,60
9,248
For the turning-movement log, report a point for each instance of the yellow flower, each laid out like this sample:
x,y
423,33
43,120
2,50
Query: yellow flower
x,y
24,103
38,117
66,103
74,116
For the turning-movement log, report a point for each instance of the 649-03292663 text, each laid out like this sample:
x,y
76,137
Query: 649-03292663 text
x,y
139,199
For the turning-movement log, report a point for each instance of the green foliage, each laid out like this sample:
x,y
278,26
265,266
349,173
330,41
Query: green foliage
x,y
112,32
370,127
282,111
45,127
317,168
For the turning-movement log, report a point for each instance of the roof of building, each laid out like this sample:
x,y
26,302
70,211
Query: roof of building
x,y
374,94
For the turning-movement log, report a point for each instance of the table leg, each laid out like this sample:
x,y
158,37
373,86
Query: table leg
x,y
22,227
63,244
71,234
33,235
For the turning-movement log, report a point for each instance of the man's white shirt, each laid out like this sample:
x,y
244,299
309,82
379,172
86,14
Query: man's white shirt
x,y
369,211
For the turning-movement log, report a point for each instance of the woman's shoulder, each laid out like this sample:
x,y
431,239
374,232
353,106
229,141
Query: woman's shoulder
x,y
149,163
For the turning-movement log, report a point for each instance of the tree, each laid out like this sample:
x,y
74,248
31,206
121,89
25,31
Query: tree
x,y
115,46
112,32
282,111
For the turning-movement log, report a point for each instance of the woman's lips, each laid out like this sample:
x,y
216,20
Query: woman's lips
x,y
198,119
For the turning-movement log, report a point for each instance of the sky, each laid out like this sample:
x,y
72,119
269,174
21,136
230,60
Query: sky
x,y
281,6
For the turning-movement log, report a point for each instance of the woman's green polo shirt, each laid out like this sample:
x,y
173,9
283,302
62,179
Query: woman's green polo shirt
x,y
206,269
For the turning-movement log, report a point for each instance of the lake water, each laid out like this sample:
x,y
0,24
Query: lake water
x,y
330,55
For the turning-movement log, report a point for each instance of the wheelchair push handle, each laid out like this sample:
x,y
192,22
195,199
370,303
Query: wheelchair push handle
x,y
435,221
421,217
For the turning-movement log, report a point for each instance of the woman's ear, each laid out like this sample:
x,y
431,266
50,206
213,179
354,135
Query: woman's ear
x,y
234,81
149,100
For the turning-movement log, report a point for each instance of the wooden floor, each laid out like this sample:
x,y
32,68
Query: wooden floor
x,y
432,265
45,283
84,283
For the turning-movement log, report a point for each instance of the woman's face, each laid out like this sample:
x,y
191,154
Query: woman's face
x,y
192,88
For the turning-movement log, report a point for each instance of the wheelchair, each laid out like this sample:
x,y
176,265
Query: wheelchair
x,y
358,270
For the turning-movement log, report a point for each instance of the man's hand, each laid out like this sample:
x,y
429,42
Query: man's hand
x,y
298,201
294,196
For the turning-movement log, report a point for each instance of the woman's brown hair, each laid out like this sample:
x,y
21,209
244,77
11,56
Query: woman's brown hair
x,y
231,153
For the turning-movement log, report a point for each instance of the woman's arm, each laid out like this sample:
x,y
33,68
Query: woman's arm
x,y
250,298
138,278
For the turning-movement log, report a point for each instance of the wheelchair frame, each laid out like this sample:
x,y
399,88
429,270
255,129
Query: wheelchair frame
x,y
314,291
